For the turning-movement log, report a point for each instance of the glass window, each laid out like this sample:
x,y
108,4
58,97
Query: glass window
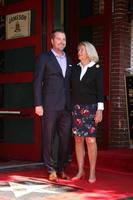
x,y
7,2
57,14
17,60
16,95
91,7
16,130
93,34
2,27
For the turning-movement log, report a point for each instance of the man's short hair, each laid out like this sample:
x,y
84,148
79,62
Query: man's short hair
x,y
55,31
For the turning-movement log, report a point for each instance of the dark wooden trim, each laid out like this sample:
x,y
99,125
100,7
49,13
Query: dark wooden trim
x,y
18,43
18,7
23,77
93,20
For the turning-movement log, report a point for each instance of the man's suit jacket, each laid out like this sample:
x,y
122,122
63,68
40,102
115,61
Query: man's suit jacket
x,y
51,89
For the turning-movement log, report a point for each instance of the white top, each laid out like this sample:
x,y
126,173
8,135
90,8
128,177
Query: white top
x,y
84,68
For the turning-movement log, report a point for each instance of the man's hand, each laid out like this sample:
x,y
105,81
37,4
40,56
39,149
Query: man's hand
x,y
39,110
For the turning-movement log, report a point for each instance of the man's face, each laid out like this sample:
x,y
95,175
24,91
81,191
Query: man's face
x,y
59,41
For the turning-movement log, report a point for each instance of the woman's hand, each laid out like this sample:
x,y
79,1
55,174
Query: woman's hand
x,y
39,110
99,116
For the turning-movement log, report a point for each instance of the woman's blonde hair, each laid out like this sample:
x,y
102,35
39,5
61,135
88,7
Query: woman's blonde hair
x,y
91,50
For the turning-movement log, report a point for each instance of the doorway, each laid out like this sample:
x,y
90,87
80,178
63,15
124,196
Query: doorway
x,y
91,20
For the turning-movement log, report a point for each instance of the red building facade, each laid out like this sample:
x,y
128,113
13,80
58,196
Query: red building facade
x,y
106,23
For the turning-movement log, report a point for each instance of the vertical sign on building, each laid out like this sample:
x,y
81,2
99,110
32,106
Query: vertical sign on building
x,y
129,95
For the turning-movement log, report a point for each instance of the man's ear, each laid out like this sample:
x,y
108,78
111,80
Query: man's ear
x,y
52,41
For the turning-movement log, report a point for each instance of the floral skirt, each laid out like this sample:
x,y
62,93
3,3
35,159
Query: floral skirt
x,y
83,123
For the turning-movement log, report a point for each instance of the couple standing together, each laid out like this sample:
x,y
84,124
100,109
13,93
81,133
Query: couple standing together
x,y
61,91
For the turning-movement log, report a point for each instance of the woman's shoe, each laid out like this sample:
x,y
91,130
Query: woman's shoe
x,y
92,180
78,177
92,177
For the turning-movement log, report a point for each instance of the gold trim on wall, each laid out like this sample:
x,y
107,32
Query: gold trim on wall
x,y
1,2
62,14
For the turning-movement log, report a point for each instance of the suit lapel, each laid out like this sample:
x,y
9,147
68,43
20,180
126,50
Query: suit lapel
x,y
68,67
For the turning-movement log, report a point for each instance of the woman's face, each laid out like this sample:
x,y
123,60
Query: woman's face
x,y
82,53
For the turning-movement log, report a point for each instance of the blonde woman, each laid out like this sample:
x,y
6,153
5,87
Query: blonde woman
x,y
88,106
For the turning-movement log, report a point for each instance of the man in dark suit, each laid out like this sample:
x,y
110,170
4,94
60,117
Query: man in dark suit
x,y
52,102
